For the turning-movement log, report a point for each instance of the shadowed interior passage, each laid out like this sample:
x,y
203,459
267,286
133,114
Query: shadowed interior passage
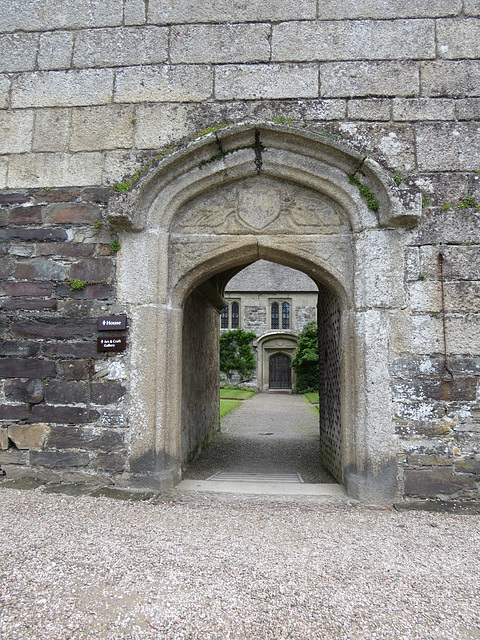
x,y
268,433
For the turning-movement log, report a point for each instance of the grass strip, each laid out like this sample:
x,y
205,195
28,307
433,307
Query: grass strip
x,y
228,405
236,394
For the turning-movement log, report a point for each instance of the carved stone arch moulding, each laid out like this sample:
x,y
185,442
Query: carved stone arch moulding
x,y
246,193
285,152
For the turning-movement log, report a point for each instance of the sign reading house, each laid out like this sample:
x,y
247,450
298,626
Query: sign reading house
x,y
112,323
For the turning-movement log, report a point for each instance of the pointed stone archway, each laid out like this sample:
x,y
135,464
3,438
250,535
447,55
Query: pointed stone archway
x,y
247,193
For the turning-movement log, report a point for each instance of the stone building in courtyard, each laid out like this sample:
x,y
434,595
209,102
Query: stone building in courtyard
x,y
275,303
149,151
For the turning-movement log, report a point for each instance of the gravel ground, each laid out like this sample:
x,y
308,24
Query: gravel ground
x,y
268,433
223,567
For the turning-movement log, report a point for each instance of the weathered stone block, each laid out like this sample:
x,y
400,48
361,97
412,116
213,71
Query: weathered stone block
x,y
341,9
164,83
72,214
26,215
121,47
110,462
467,465
40,269
84,438
29,235
55,50
354,40
458,38
369,109
459,389
471,8
423,109
7,265
29,304
12,457
459,263
58,391
73,369
379,274
468,108
19,348
442,147
24,390
428,460
349,79
42,15
59,459
91,292
3,172
54,328
107,393
54,169
26,368
436,481
13,411
114,418
220,43
3,438
4,91
249,82
164,11
13,198
455,79
93,269
28,436
17,130
18,52
47,121
159,124
26,289
67,249
134,12
71,88
108,127
62,414
71,350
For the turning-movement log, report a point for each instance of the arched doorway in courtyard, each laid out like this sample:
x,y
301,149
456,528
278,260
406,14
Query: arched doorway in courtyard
x,y
245,194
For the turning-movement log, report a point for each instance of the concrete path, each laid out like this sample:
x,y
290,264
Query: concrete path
x,y
268,434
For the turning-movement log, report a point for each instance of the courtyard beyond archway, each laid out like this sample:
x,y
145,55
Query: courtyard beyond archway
x,y
271,434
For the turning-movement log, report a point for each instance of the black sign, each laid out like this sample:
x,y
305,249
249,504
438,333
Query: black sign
x,y
112,343
112,323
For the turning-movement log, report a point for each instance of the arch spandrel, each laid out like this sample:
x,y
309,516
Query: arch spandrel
x,y
242,151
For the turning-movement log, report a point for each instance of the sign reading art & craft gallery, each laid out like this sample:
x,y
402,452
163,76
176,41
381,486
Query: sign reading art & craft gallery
x,y
112,343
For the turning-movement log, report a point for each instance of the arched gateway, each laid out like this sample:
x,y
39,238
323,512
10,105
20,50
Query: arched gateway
x,y
285,195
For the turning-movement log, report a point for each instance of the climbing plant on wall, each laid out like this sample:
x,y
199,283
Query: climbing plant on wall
x,y
236,353
305,363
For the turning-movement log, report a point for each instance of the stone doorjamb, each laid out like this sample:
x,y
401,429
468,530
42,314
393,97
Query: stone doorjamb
x,y
158,269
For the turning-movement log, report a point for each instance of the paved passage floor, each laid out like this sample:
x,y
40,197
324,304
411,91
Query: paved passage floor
x,y
270,433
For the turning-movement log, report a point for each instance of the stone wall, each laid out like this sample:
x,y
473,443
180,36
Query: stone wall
x,y
92,92
61,408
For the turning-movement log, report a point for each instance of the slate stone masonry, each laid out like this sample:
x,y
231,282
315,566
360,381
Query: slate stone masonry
x,y
59,412
91,91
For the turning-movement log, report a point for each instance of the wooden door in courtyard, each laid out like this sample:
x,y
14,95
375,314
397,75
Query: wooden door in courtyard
x,y
280,373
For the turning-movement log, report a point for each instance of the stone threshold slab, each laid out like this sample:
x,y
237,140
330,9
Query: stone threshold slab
x,y
264,488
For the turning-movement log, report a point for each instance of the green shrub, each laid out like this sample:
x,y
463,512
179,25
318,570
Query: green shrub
x,y
305,363
236,353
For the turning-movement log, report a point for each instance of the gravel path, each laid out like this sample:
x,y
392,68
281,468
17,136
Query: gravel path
x,y
268,433
230,567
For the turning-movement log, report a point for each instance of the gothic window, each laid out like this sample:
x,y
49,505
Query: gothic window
x,y
224,318
275,315
235,315
285,315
